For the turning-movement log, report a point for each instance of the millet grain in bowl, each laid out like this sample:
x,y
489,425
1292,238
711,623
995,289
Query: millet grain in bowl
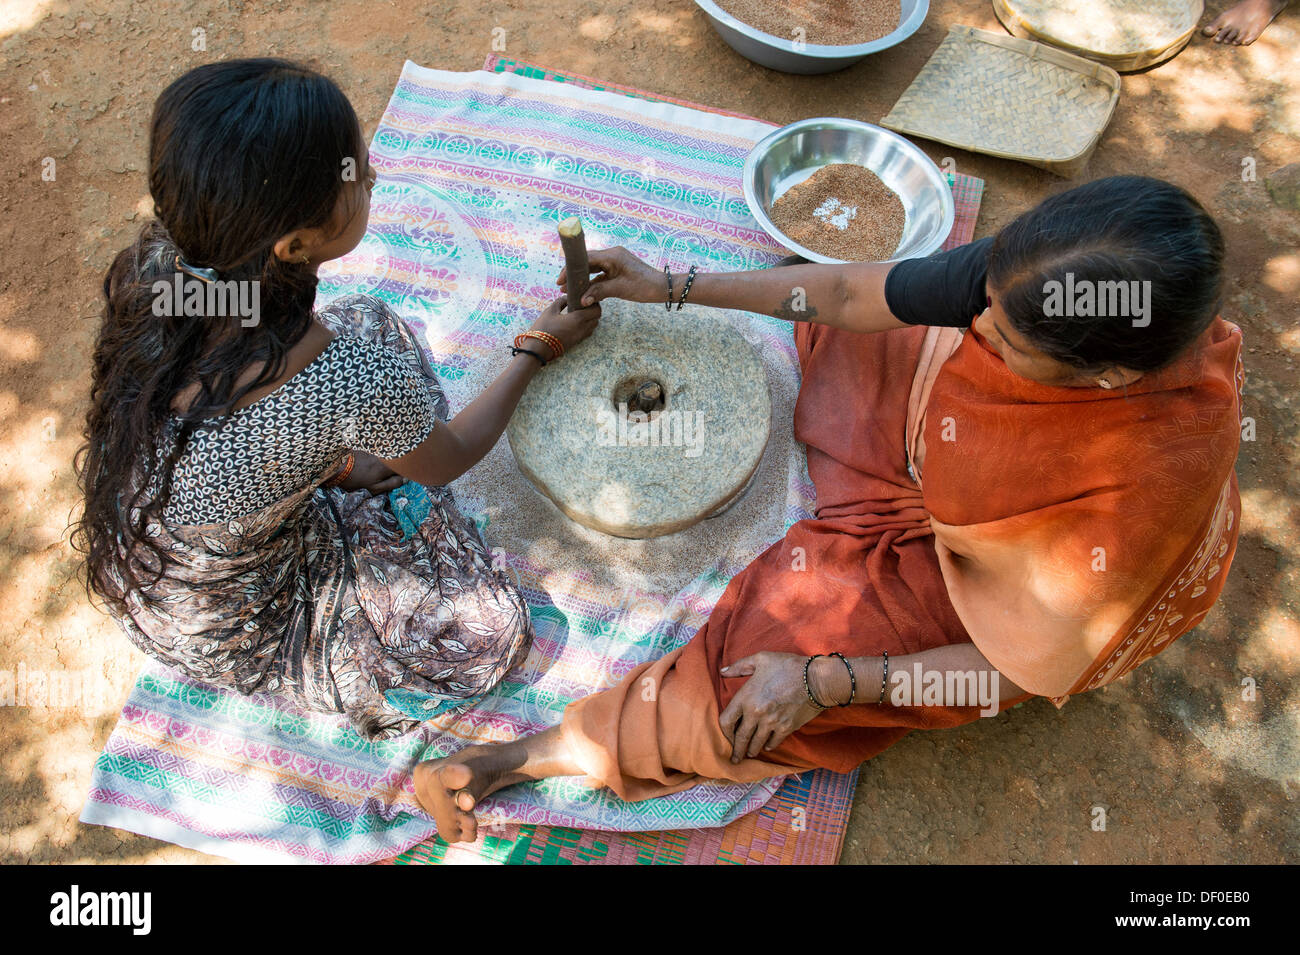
x,y
821,22
842,211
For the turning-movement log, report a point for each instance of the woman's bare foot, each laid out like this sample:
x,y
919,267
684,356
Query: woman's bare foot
x,y
449,789
1242,24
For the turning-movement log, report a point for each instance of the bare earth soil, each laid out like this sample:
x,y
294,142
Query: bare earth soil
x,y
1185,769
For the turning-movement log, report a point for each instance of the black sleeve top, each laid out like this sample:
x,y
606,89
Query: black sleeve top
x,y
946,288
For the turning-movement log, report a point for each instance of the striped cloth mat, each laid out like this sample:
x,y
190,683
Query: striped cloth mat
x,y
475,169
967,191
803,824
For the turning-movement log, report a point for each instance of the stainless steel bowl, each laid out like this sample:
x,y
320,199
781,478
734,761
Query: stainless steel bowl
x,y
781,53
791,154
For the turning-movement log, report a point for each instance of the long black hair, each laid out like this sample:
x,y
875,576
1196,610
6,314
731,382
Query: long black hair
x,y
1120,229
241,153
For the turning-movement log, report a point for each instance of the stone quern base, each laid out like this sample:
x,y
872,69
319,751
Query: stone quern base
x,y
588,439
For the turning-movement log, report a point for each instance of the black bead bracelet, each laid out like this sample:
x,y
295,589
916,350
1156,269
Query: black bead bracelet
x,y
690,277
526,351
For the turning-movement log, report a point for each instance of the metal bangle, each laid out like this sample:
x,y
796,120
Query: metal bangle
x,y
668,305
884,680
807,686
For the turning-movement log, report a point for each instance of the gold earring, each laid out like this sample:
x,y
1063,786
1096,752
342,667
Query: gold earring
x,y
304,262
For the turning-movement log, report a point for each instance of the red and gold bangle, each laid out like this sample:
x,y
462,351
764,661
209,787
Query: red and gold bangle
x,y
557,347
342,475
553,343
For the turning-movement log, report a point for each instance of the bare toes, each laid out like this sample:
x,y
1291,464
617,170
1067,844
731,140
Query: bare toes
x,y
455,776
436,789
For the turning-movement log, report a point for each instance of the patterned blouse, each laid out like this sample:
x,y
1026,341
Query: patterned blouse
x,y
277,585
357,394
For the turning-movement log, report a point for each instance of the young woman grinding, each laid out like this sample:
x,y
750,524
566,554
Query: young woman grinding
x,y
235,473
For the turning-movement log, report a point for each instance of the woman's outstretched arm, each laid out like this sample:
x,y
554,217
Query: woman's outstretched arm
x,y
455,446
851,297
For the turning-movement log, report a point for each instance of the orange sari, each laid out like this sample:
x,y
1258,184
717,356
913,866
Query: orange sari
x,y
1070,533
1077,562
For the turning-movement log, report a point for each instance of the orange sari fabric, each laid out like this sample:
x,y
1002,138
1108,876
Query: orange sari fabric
x,y
1080,530
1030,482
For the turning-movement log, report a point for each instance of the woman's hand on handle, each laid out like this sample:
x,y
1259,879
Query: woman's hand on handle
x,y
620,274
851,297
569,327
769,707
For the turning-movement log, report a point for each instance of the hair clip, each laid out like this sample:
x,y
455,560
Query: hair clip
x,y
203,275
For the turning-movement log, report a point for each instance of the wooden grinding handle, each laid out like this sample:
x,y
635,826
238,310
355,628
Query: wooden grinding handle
x,y
577,271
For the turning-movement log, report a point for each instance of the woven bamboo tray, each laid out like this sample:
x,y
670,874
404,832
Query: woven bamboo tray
x,y
1125,35
1004,96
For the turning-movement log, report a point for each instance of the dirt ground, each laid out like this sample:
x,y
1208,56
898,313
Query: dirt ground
x,y
1185,769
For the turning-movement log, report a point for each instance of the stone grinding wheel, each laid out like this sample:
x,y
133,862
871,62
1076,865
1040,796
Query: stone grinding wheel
x,y
601,465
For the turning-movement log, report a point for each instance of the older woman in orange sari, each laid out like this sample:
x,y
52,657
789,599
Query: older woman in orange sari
x,y
1030,508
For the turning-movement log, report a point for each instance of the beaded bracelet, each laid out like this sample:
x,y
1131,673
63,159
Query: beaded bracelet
x,y
806,687
515,350
884,680
342,475
853,680
668,305
690,277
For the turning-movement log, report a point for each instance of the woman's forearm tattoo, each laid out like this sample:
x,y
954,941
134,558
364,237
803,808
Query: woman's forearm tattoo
x,y
796,307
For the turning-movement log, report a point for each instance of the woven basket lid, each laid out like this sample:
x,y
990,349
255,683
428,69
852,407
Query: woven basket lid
x,y
1009,97
1123,34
